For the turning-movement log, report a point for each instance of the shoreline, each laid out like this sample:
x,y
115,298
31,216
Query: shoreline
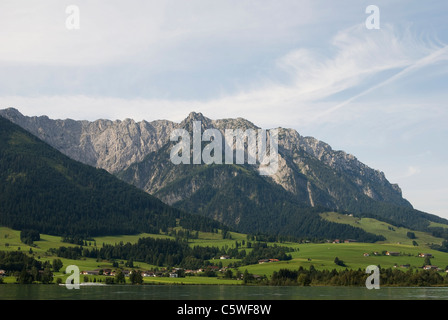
x,y
154,283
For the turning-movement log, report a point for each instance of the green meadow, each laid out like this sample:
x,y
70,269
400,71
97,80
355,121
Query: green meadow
x,y
321,256
392,233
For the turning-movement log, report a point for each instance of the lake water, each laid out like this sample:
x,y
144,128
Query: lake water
x,y
212,292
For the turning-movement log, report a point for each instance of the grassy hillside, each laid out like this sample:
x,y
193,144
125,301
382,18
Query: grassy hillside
x,y
320,255
392,233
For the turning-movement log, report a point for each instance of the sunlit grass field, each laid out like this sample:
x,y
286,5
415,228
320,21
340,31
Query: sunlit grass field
x,y
320,255
392,233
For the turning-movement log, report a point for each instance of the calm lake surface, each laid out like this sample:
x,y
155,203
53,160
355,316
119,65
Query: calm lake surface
x,y
212,292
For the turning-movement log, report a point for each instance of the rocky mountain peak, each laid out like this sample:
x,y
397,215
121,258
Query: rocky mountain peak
x,y
187,123
116,145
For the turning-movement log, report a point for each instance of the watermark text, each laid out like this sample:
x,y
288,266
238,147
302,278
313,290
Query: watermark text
x,y
251,144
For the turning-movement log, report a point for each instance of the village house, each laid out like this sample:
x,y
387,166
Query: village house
x,y
429,267
224,257
91,272
189,271
267,260
107,272
425,255
213,268
392,253
148,274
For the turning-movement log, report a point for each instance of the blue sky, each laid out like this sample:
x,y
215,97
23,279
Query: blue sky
x,y
378,94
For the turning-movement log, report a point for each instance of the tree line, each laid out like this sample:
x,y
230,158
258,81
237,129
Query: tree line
x,y
412,277
27,269
168,252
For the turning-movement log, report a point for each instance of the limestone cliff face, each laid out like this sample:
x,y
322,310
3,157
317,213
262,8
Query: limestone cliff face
x,y
308,168
362,178
111,145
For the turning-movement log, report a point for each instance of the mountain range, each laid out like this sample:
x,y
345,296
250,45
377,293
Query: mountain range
x,y
43,190
311,178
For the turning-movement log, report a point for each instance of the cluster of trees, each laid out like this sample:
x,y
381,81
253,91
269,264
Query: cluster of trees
x,y
159,252
201,223
28,236
67,252
82,240
167,252
411,235
388,277
26,268
153,251
339,262
438,232
17,261
263,251
441,247
34,275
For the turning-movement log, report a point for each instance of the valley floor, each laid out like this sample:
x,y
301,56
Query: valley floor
x,y
398,255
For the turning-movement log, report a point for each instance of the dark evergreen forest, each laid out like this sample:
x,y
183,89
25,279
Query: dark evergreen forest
x,y
43,190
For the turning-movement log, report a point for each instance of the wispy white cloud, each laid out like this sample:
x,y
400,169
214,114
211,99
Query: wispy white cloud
x,y
358,54
357,65
432,58
355,57
35,33
114,31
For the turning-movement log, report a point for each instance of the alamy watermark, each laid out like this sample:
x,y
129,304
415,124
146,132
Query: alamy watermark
x,y
72,281
72,22
251,144
373,281
373,20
